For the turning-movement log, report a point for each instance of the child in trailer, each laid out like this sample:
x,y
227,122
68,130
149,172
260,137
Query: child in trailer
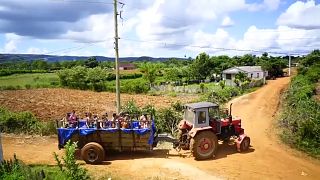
x,y
89,120
105,123
116,120
126,121
72,120
144,123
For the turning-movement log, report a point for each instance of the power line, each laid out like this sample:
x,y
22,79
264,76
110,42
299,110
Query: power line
x,y
76,48
215,48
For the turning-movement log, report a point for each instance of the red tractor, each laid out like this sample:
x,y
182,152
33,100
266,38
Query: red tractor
x,y
202,127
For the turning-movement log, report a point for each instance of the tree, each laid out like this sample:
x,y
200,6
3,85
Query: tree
x,y
173,74
312,58
201,66
91,62
274,66
96,77
241,78
39,64
150,71
247,60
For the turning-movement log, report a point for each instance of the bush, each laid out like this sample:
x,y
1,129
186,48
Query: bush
x,y
135,86
70,168
28,86
16,169
94,79
131,108
221,96
24,122
167,120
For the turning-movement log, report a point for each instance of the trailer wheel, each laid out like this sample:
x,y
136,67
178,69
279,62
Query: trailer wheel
x,y
92,153
204,145
245,144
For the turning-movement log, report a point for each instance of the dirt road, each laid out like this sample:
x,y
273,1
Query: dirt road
x,y
267,158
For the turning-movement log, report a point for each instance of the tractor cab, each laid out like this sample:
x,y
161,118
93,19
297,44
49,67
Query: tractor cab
x,y
198,115
205,114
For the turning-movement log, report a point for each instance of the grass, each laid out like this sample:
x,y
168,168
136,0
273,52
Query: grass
x,y
26,81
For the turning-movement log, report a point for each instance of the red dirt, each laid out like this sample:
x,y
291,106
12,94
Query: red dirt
x,y
266,159
52,104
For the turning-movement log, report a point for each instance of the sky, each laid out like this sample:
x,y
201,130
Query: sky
x,y
160,28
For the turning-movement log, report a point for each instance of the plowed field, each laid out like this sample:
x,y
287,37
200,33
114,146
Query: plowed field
x,y
50,104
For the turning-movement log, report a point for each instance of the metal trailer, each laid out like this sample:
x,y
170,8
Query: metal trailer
x,y
93,142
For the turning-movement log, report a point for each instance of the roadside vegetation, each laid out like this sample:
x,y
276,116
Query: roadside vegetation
x,y
300,119
24,122
66,169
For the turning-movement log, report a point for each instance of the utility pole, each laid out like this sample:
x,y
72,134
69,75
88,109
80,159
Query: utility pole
x,y
289,65
116,48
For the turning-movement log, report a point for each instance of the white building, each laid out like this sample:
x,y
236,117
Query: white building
x,y
253,72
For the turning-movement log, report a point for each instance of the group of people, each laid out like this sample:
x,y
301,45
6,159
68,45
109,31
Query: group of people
x,y
121,120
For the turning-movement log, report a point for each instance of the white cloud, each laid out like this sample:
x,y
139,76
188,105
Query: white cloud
x,y
95,28
283,39
304,15
11,43
227,22
176,21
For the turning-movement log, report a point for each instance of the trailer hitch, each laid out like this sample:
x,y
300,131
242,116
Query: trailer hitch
x,y
167,138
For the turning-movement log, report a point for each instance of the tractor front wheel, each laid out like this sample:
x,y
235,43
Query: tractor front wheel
x,y
204,145
93,153
245,144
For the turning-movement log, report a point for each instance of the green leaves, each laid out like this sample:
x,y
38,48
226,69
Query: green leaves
x,y
150,71
83,78
70,168
301,115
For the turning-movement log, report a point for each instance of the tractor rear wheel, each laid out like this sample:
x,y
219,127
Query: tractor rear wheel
x,y
244,146
92,153
204,145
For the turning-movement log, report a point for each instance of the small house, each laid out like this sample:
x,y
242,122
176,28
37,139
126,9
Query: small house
x,y
253,72
126,66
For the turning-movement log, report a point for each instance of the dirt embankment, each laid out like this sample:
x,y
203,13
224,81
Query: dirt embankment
x,y
52,104
266,159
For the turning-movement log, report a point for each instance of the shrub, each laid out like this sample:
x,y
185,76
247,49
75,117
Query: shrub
x,y
301,116
167,120
135,86
131,108
28,86
16,169
24,122
70,168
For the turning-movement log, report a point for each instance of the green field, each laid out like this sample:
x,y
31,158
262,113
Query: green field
x,y
23,81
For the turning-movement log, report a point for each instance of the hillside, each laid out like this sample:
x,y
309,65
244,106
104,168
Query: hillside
x,y
54,58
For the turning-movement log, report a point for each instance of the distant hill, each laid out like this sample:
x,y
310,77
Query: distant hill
x,y
53,58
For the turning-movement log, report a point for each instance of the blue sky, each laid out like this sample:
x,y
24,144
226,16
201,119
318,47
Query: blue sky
x,y
160,28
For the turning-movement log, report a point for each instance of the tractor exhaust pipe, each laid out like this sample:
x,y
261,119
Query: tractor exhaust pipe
x,y
230,110
230,114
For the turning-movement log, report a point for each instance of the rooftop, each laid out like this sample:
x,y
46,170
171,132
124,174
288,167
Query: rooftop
x,y
247,69
201,105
